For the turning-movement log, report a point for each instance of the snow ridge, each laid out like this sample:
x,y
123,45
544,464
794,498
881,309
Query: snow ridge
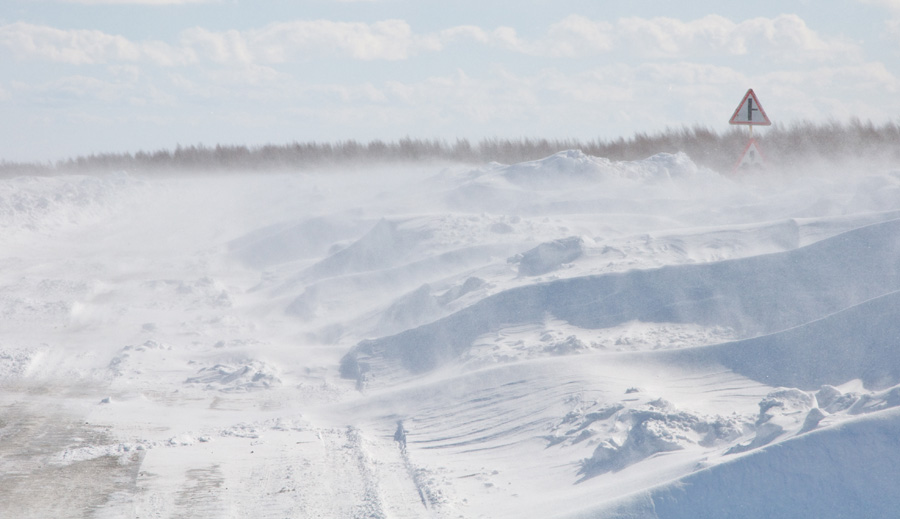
x,y
758,295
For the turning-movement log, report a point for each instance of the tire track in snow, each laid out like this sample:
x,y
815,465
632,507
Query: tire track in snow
x,y
429,498
201,497
385,492
371,506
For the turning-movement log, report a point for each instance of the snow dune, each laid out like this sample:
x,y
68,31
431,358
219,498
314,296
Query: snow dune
x,y
758,295
566,337
815,482
857,343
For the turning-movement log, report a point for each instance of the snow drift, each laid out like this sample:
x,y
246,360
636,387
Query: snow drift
x,y
566,337
812,484
758,295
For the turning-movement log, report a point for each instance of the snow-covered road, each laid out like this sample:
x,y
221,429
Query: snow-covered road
x,y
569,337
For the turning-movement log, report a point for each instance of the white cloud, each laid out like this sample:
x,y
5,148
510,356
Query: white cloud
x,y
302,39
464,33
786,37
275,43
576,35
80,46
76,47
783,38
297,40
166,55
220,47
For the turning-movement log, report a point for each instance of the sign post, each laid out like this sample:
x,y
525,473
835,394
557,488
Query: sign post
x,y
750,113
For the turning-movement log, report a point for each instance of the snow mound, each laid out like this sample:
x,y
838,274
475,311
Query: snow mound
x,y
814,484
754,296
189,293
573,167
651,430
859,342
287,242
46,300
17,362
44,203
400,242
250,376
410,310
550,256
626,434
787,409
423,305
572,182
398,256
386,244
557,337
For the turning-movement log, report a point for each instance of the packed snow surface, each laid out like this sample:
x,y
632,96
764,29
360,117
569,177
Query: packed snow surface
x,y
568,337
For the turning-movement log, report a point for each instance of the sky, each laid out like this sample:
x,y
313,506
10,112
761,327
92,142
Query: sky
x,y
80,77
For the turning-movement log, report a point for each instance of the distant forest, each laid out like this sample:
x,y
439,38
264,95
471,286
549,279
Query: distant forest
x,y
790,145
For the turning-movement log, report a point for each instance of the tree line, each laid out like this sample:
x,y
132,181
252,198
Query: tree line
x,y
783,144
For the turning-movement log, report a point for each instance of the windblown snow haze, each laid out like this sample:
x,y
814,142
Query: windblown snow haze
x,y
566,337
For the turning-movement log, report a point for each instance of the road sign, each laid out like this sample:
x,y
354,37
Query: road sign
x,y
750,111
752,158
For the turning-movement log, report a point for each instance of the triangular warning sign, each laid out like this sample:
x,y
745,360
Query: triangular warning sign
x,y
752,158
750,111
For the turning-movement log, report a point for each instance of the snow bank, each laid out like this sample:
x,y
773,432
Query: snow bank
x,y
387,243
392,262
401,242
247,376
572,168
849,470
650,430
572,182
44,203
287,242
550,256
861,342
755,296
